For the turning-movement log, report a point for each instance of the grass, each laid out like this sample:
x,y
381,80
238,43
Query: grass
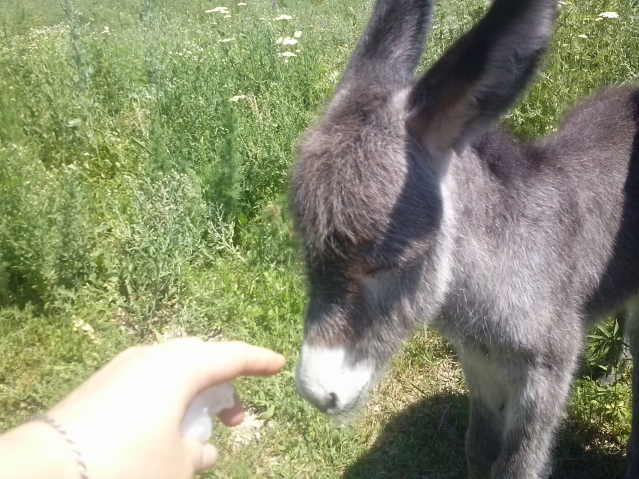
x,y
145,148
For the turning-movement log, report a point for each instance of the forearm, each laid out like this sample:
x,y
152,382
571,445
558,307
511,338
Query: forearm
x,y
36,450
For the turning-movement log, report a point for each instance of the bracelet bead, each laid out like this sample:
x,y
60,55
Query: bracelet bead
x,y
65,435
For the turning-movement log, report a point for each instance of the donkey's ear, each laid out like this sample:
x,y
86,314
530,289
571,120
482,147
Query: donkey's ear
x,y
392,43
480,75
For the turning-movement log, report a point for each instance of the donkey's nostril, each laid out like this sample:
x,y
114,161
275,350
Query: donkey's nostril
x,y
326,403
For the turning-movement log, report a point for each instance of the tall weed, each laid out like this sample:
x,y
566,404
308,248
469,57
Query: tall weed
x,y
46,234
160,232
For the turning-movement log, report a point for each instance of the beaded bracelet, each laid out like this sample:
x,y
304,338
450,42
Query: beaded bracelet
x,y
63,432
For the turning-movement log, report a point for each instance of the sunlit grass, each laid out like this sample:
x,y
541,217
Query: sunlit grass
x,y
145,149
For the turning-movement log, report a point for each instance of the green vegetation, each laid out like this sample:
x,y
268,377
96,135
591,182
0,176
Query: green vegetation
x,y
145,147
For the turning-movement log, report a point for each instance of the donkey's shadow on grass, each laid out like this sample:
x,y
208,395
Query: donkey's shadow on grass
x,y
426,441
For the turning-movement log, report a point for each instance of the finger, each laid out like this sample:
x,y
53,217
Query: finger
x,y
224,361
209,456
232,416
203,455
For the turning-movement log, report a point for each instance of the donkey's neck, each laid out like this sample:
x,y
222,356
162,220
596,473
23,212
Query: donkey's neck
x,y
496,183
520,226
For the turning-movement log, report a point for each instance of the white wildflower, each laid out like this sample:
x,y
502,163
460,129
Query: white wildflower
x,y
227,16
298,34
609,15
226,40
106,30
80,325
237,98
289,41
282,17
241,4
288,54
218,10
583,36
279,40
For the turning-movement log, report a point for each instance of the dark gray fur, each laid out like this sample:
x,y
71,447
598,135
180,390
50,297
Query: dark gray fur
x,y
412,210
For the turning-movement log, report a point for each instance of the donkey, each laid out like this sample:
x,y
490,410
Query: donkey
x,y
413,209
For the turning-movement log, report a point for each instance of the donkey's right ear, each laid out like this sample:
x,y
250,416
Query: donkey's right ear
x,y
391,45
479,77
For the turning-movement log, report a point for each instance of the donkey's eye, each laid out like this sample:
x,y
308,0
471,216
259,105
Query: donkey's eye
x,y
377,272
387,268
372,272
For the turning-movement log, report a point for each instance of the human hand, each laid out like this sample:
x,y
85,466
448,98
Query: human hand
x,y
125,420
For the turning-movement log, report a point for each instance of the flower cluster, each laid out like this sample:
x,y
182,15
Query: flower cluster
x,y
223,10
38,37
608,15
80,325
288,41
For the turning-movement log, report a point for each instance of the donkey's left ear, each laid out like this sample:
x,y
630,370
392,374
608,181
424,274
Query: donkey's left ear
x,y
391,45
479,77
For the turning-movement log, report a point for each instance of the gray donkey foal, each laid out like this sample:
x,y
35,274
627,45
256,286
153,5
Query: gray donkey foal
x,y
414,210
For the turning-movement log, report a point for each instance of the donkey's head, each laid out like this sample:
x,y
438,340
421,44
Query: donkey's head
x,y
370,190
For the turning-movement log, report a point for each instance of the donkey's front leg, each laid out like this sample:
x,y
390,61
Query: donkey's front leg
x,y
483,438
532,414
485,429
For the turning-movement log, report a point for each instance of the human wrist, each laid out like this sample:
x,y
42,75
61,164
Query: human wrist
x,y
36,450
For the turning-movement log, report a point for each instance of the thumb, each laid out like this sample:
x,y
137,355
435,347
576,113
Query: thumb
x,y
203,455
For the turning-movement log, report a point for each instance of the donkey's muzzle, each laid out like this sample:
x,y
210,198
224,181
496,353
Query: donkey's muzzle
x,y
329,380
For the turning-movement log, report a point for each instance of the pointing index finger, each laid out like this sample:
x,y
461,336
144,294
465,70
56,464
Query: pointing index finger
x,y
224,361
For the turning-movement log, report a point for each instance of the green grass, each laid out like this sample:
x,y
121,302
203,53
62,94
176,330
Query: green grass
x,y
138,203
